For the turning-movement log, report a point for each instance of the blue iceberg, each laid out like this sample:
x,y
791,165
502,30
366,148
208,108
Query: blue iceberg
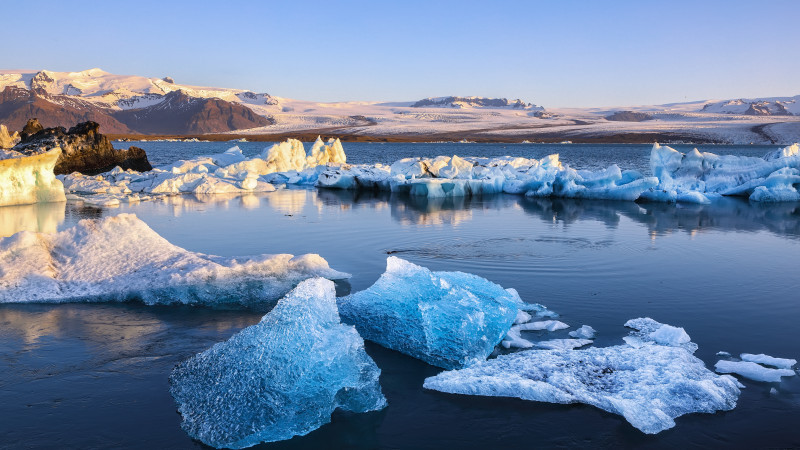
x,y
280,378
649,384
447,319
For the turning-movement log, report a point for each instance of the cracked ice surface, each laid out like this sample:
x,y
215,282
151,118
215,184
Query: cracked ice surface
x,y
280,378
447,319
120,258
648,384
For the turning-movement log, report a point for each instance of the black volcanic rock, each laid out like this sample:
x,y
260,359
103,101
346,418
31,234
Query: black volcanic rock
x,y
83,149
629,116
31,127
179,113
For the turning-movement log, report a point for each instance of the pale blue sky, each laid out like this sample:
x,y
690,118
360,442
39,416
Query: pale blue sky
x,y
552,53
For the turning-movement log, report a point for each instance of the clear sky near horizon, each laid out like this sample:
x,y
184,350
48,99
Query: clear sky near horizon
x,y
552,53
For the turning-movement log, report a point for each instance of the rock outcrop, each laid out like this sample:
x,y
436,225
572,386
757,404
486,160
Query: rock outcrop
x,y
83,149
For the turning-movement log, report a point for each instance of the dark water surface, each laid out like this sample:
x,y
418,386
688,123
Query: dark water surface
x,y
95,375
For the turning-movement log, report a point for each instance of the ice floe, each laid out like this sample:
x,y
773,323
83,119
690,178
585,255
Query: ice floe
x,y
649,384
584,332
280,378
698,177
447,319
753,371
120,258
224,173
29,179
781,363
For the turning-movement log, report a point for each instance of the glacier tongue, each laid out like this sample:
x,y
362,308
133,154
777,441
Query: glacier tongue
x,y
650,383
280,378
120,258
447,319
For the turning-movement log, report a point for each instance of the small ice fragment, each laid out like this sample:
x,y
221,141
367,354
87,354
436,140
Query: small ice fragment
x,y
669,335
781,363
584,332
563,344
753,371
522,317
447,319
280,378
549,325
773,391
724,354
651,331
514,339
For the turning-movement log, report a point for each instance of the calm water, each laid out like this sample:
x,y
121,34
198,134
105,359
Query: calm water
x,y
95,376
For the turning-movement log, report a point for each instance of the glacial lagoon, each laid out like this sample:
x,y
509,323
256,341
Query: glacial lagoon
x,y
95,375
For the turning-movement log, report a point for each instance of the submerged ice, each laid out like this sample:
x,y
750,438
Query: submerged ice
x,y
649,384
447,319
280,378
120,258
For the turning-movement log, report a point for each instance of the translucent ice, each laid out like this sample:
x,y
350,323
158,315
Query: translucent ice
x,y
280,378
447,319
120,258
29,179
649,385
753,370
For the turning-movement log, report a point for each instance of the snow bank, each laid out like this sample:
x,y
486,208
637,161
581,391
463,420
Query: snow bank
x,y
447,319
699,177
280,378
120,258
224,173
648,384
455,176
29,179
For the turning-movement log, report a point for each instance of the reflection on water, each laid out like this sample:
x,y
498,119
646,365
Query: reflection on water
x,y
40,217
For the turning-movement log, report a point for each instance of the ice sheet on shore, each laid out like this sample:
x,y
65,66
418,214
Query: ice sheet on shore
x,y
120,258
699,177
455,176
224,173
280,378
648,384
447,319
29,179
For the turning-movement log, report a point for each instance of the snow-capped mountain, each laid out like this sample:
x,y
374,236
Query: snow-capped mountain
x,y
129,104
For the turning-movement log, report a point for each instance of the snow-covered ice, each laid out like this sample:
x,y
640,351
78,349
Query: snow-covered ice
x,y
224,173
647,330
781,363
120,258
447,319
649,385
280,378
753,371
584,332
563,344
697,177
29,179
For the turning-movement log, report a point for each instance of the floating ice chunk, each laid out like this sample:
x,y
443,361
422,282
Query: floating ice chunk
x,y
773,391
538,310
724,354
781,363
548,325
447,319
650,331
584,332
120,258
514,339
8,140
29,179
280,378
522,317
752,370
649,386
563,344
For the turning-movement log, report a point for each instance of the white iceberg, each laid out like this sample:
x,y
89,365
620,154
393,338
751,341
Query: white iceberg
x,y
8,140
29,179
280,378
584,332
120,258
753,370
699,177
447,319
224,173
455,176
649,384
647,330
